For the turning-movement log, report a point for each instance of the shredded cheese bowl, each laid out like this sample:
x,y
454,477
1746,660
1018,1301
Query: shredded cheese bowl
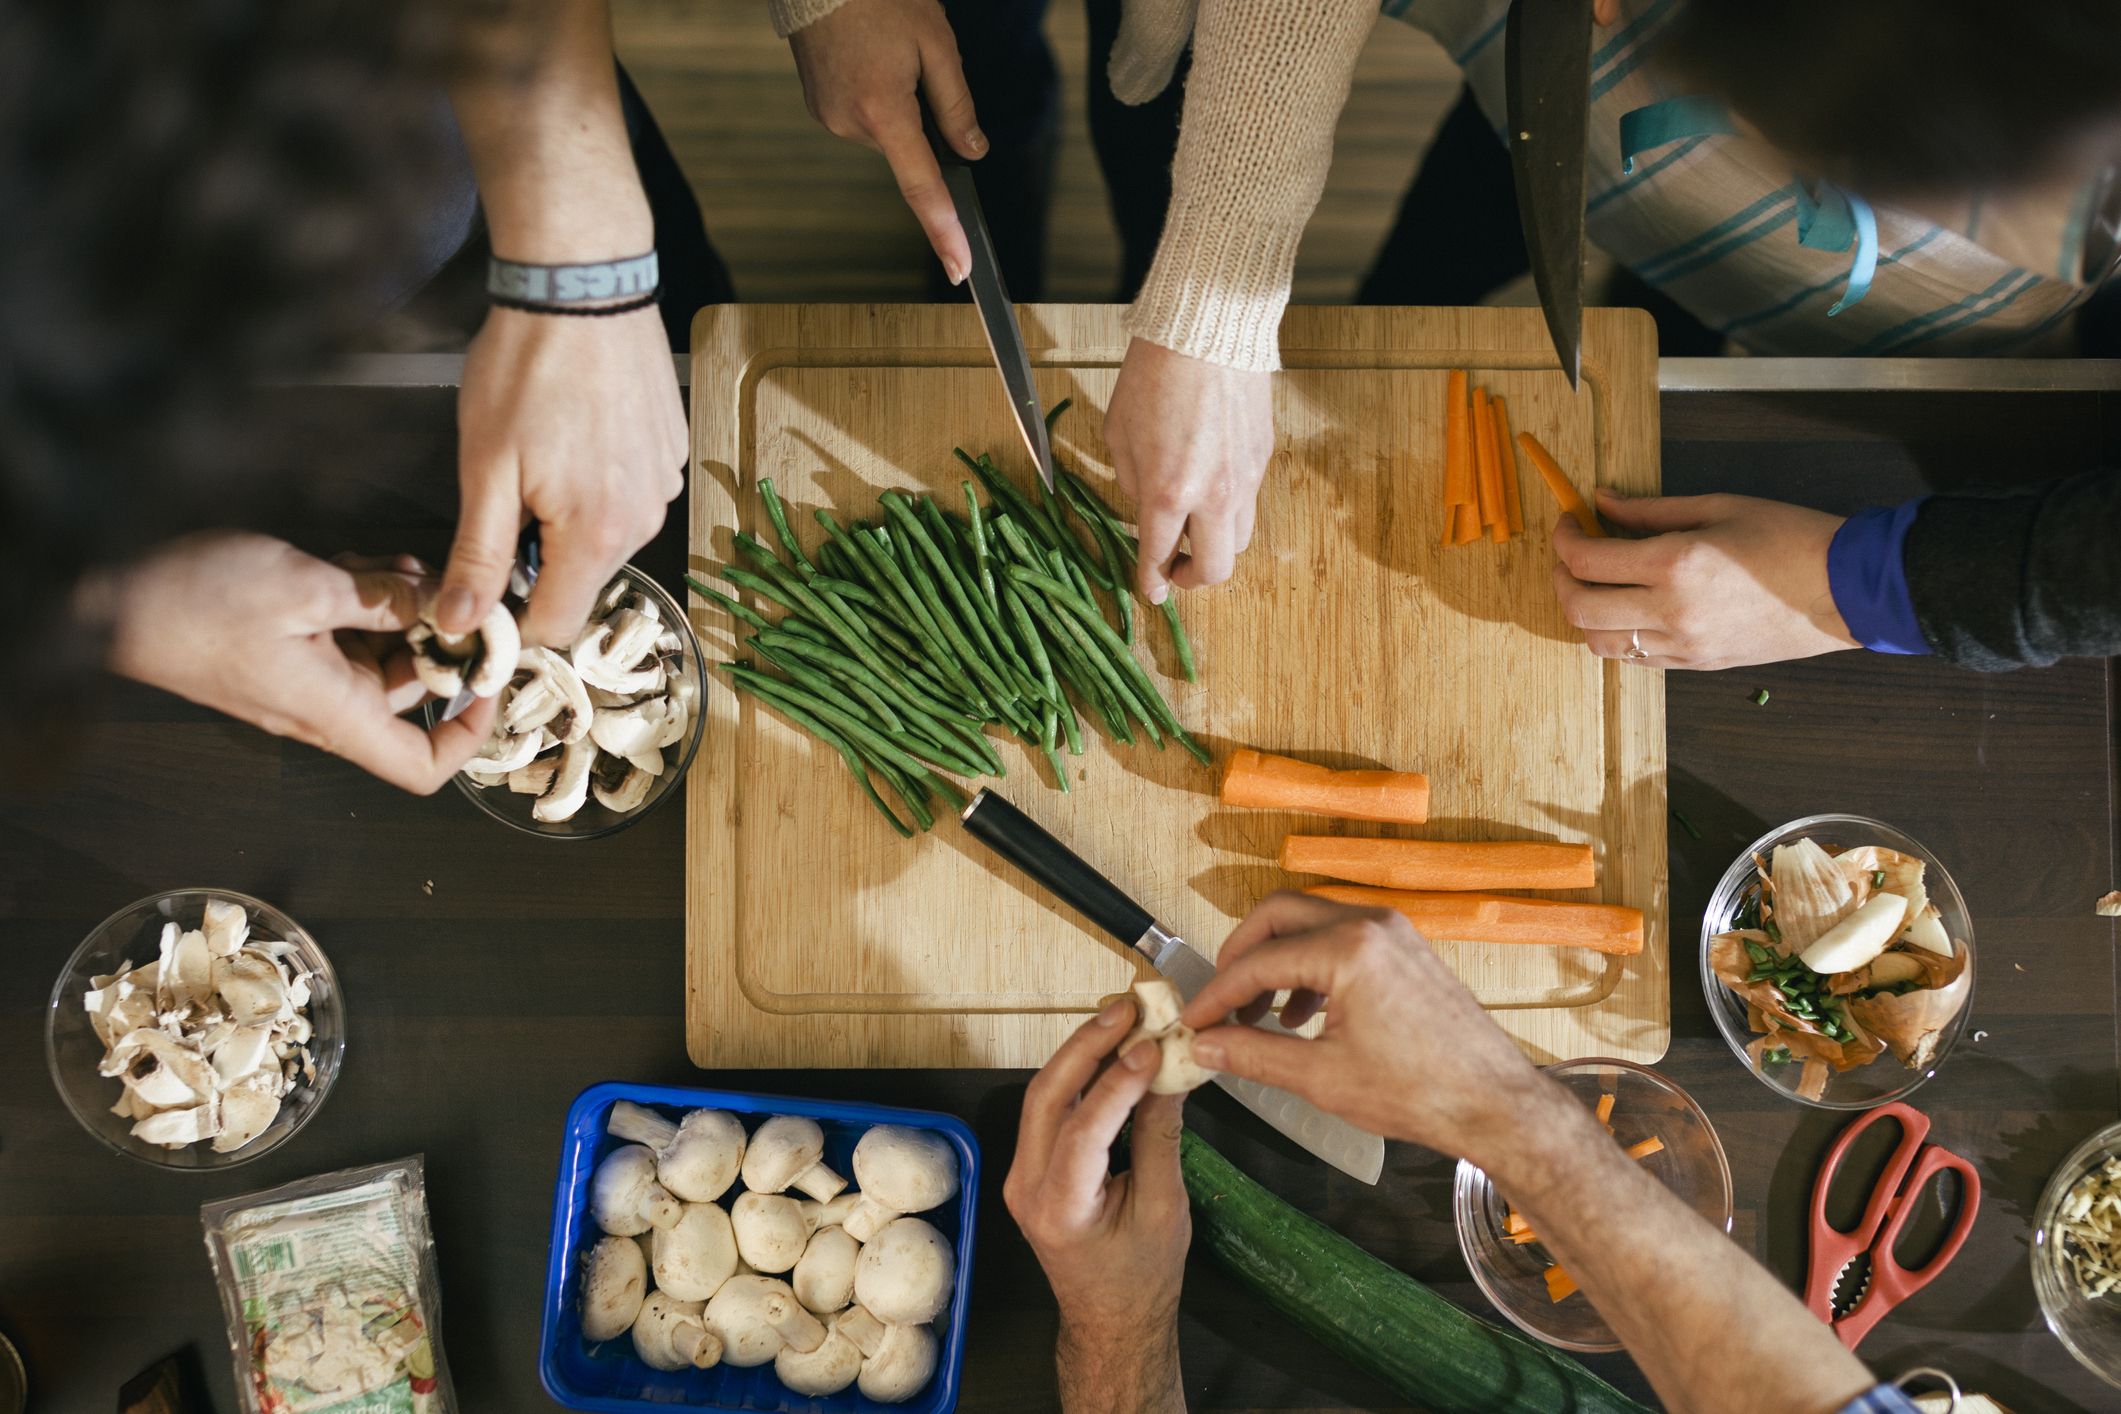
x,y
2076,1253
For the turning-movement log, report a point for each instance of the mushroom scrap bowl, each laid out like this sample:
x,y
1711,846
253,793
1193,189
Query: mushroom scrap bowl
x,y
73,1050
610,1378
593,819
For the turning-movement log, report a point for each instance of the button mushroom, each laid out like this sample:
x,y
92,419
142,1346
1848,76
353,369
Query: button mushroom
x,y
564,798
670,1334
696,1254
618,652
696,1159
784,1154
830,1368
899,1170
905,1273
823,1279
480,661
901,1364
755,1316
614,1283
770,1231
1158,1007
624,1197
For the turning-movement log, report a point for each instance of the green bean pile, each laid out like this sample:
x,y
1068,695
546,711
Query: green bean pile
x,y
902,638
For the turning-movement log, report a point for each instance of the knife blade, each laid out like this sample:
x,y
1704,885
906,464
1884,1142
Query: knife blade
x,y
1546,68
990,295
1025,843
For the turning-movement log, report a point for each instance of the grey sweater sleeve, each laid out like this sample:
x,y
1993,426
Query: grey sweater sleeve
x,y
2004,582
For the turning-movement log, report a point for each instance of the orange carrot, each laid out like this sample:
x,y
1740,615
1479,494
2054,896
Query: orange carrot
x,y
1605,1109
1558,482
1457,442
1649,1146
1514,1222
1257,779
1512,504
1496,918
1487,477
1465,525
1442,864
1559,1283
1520,1239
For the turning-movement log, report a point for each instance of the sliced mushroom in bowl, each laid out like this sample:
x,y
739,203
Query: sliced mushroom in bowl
x,y
589,737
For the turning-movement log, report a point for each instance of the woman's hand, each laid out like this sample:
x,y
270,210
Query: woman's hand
x,y
305,649
1716,582
1112,1245
1190,442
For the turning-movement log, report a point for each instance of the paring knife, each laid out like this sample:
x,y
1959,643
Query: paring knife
x,y
1546,65
1023,842
997,316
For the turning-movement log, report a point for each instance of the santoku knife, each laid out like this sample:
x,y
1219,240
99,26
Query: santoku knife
x,y
1023,842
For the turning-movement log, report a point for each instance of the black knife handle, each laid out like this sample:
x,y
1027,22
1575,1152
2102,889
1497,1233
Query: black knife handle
x,y
944,153
1022,841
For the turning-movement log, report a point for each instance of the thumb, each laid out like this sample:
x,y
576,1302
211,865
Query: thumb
x,y
1653,515
488,522
1284,1062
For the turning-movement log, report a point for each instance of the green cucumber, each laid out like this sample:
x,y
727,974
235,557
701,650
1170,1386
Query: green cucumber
x,y
1374,1316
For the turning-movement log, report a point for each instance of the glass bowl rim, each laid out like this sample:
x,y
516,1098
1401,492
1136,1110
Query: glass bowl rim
x,y
2047,1282
251,903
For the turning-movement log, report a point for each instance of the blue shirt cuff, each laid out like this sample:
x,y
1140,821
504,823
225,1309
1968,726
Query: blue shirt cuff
x,y
1868,579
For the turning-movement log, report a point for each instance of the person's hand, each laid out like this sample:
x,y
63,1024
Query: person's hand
x,y
1405,1051
1190,442
864,68
574,422
1718,582
303,648
1113,1246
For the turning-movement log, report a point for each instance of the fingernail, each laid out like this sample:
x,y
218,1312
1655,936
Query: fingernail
x,y
1139,1056
1158,595
1114,1014
1207,1050
976,140
455,608
958,273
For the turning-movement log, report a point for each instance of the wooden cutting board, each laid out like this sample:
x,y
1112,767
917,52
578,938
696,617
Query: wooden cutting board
x,y
816,937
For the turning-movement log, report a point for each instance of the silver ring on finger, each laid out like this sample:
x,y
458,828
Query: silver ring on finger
x,y
1636,652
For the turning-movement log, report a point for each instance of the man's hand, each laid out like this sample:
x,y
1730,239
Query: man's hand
x,y
1113,1246
253,627
573,422
1719,582
1405,1050
1189,443
864,68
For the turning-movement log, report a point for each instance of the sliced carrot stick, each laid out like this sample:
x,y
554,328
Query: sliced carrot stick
x,y
1495,918
1487,477
1458,489
1265,782
1559,1283
1512,502
1558,482
1514,1221
1649,1146
1605,1109
1465,527
1442,864
1521,1239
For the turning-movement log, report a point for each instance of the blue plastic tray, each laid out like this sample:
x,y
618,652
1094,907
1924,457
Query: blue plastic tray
x,y
610,1379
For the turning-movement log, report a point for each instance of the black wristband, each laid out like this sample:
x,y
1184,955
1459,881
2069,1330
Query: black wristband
x,y
530,306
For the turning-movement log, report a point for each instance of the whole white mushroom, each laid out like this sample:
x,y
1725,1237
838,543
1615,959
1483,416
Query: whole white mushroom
x,y
696,1159
905,1274
824,1277
770,1230
899,1170
696,1254
785,1154
755,1316
624,1197
902,1363
830,1368
614,1283
670,1334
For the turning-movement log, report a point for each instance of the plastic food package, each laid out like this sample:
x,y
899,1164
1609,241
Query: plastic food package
x,y
328,1286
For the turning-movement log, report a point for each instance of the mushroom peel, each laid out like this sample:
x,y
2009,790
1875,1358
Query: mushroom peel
x,y
830,1368
614,1283
1158,1006
770,1231
905,1273
899,1170
696,1254
755,1316
696,1159
901,1364
624,1197
670,1334
480,661
823,1279
784,1154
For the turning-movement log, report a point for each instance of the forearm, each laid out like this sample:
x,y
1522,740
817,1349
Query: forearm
x,y
1708,1325
1134,1369
541,118
1267,84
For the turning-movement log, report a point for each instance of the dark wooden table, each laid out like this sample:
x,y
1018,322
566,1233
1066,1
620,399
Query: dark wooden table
x,y
491,976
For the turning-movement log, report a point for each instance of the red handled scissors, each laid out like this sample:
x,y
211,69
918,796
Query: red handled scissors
x,y
1885,1282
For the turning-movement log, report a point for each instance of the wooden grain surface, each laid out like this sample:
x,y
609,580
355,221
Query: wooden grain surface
x,y
1350,635
490,977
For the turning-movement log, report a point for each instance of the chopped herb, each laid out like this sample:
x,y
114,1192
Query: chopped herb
x,y
1760,698
1686,824
1779,1055
1877,878
1768,926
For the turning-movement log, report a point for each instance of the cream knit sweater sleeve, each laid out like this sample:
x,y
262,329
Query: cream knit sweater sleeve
x,y
1268,82
792,15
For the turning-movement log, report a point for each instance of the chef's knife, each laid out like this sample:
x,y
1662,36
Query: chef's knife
x,y
997,316
1546,65
1023,842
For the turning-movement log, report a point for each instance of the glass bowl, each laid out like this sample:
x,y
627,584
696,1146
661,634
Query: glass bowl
x,y
593,821
72,1049
2090,1326
1884,1078
1691,1164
